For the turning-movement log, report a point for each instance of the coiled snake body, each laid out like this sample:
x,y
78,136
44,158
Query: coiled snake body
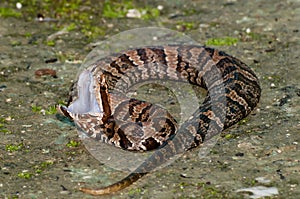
x,y
99,107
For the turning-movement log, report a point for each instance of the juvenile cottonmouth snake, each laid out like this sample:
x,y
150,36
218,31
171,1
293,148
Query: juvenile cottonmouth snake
x,y
99,107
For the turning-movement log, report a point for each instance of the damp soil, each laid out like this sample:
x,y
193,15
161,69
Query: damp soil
x,y
41,155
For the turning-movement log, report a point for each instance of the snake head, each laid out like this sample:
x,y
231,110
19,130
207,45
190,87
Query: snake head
x,y
88,100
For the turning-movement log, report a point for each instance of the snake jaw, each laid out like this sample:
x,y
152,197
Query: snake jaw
x,y
86,106
86,102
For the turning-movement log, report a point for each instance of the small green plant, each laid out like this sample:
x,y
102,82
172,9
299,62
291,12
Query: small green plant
x,y
116,10
51,110
185,25
15,43
210,190
134,191
112,9
2,122
50,43
226,41
243,121
71,27
40,167
46,164
4,130
24,175
28,34
73,143
190,11
150,13
229,136
36,109
13,147
183,185
8,12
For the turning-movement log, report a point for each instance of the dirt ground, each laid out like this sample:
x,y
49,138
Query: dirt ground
x,y
41,155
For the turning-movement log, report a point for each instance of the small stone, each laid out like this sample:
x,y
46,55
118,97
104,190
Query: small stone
x,y
203,25
279,151
18,5
45,151
64,192
262,180
8,119
133,13
160,7
260,191
272,85
27,125
110,25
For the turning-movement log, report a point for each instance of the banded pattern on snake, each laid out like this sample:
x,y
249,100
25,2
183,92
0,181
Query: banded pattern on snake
x,y
99,107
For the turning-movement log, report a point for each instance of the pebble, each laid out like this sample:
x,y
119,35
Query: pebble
x,y
65,192
260,191
273,85
18,5
160,7
133,13
45,71
262,180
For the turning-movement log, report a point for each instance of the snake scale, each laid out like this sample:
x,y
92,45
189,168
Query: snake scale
x,y
99,107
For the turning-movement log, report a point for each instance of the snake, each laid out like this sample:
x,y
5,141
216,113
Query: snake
x,y
99,106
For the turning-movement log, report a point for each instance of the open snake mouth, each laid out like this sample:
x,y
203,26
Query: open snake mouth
x,y
86,101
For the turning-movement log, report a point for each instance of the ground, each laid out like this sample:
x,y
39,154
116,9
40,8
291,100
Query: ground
x,y
41,154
